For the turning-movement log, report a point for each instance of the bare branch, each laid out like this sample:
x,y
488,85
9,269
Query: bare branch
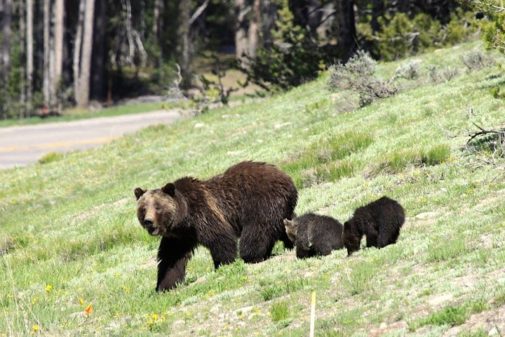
x,y
199,11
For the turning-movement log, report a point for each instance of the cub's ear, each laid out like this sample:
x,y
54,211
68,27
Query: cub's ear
x,y
139,192
288,223
169,189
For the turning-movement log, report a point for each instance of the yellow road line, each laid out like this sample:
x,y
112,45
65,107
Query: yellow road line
x,y
55,145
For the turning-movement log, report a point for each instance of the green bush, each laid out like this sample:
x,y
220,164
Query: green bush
x,y
494,27
401,36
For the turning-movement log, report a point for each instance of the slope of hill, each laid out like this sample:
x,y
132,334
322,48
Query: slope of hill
x,y
75,262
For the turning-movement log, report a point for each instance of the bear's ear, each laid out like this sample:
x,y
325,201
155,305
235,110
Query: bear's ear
x,y
139,192
169,189
288,223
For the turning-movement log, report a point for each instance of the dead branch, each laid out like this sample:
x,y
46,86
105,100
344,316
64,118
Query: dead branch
x,y
482,132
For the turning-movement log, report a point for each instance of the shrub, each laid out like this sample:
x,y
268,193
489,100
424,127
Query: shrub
x,y
445,74
359,75
476,60
409,71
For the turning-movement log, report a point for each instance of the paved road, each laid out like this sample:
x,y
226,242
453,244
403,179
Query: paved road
x,y
22,145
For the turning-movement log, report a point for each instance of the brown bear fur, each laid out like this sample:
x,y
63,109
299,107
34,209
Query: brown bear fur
x,y
380,221
314,235
249,201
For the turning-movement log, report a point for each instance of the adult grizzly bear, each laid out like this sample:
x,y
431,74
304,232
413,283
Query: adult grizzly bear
x,y
380,221
249,200
314,235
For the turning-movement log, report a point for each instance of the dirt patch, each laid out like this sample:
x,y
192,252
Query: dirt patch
x,y
386,328
491,200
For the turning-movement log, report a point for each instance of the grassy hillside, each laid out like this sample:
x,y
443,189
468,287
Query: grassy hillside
x,y
74,260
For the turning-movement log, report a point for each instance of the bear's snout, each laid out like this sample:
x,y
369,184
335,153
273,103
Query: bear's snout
x,y
149,226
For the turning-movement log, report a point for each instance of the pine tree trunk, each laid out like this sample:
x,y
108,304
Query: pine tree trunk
x,y
345,28
158,9
6,16
87,46
157,28
268,16
22,48
47,54
59,22
241,28
98,63
183,43
78,48
254,37
377,11
29,54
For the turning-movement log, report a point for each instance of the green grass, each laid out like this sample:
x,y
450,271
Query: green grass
x,y
279,311
445,249
451,315
50,157
69,236
326,159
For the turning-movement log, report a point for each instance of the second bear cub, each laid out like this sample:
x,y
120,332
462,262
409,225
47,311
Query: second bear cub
x,y
380,221
314,235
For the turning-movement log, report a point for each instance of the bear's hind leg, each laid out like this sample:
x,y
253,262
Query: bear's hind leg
x,y
255,246
223,250
323,249
371,238
386,238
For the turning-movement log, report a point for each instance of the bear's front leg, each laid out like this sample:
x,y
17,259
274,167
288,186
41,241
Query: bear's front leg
x,y
173,256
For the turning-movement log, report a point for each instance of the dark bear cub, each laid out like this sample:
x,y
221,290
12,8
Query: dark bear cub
x,y
380,221
248,201
314,235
